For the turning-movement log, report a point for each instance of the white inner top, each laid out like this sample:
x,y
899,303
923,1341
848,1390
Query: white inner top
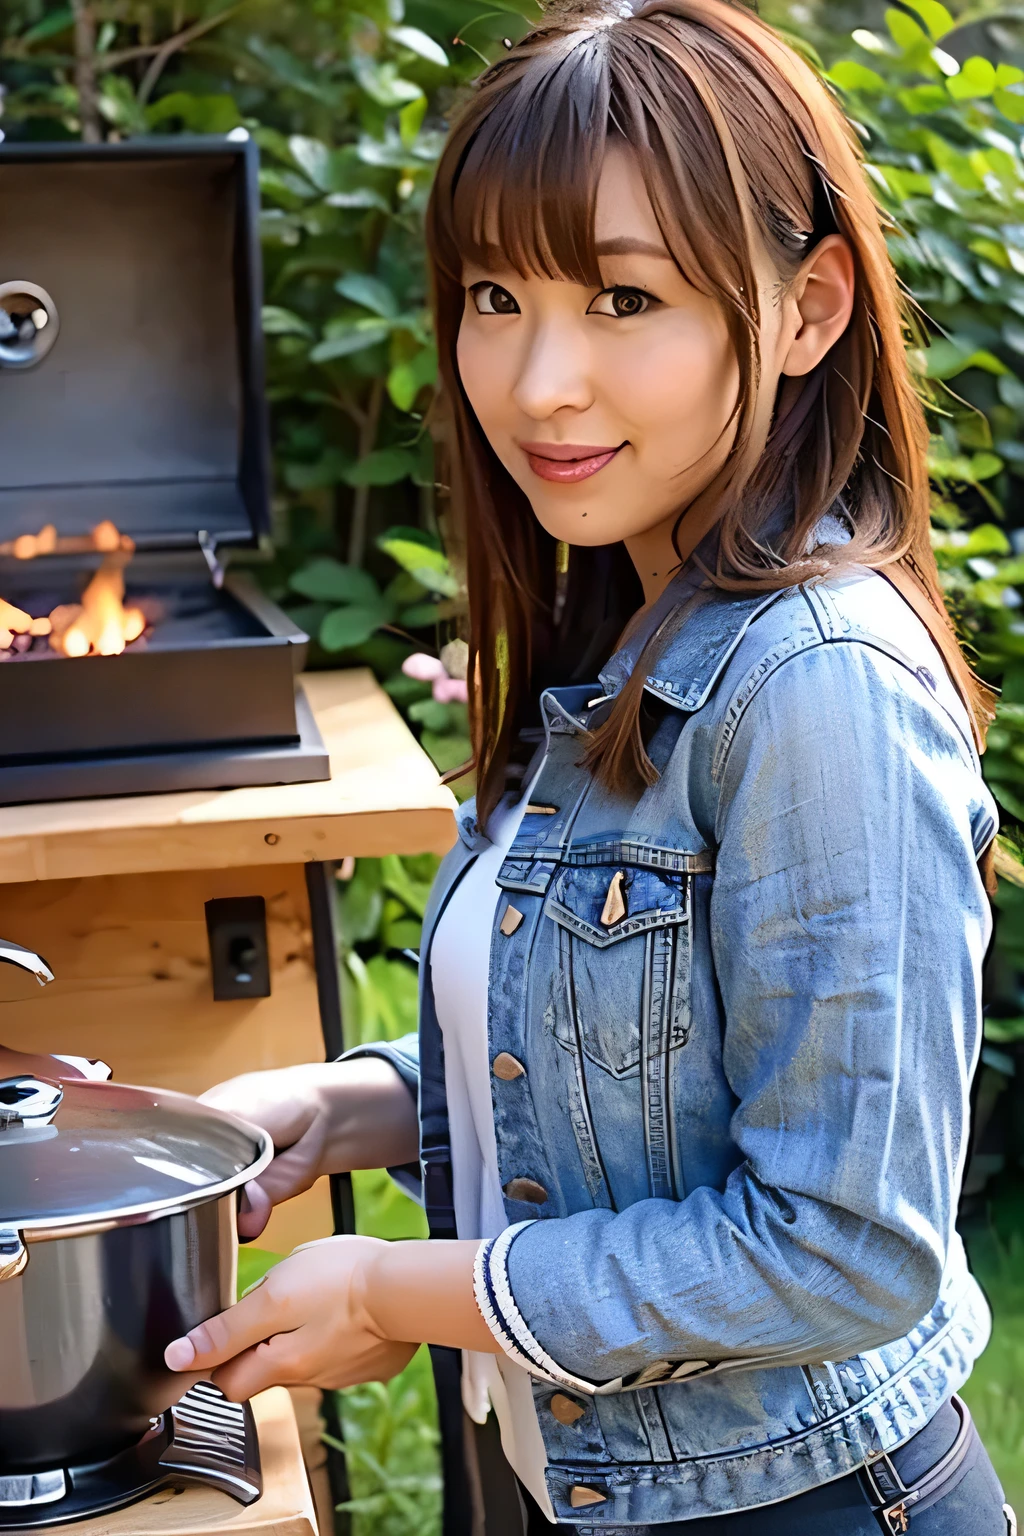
x,y
460,965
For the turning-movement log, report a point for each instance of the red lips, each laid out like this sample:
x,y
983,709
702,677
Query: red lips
x,y
566,463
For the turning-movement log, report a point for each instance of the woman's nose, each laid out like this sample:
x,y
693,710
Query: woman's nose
x,y
555,372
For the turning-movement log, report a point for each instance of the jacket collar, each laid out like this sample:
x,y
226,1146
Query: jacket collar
x,y
693,633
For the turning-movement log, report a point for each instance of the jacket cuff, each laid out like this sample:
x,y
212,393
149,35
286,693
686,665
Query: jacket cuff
x,y
403,1055
498,1308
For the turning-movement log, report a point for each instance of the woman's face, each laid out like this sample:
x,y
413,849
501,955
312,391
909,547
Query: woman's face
x,y
612,407
609,406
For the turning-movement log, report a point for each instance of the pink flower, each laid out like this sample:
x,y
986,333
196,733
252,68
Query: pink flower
x,y
430,669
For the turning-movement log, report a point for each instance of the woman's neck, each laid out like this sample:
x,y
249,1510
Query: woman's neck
x,y
655,559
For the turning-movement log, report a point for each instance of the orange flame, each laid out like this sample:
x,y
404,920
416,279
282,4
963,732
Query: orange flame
x,y
100,625
103,625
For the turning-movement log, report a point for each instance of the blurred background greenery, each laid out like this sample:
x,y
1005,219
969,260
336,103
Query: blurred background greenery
x,y
347,100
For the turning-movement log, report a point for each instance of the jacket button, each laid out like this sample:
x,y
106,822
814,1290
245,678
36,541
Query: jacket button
x,y
580,1497
526,1189
565,1410
507,1068
510,921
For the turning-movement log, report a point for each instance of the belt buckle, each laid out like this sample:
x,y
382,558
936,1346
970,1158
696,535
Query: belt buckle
x,y
897,1519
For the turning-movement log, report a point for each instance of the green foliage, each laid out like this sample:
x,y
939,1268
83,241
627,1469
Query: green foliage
x,y
943,151
391,1440
347,105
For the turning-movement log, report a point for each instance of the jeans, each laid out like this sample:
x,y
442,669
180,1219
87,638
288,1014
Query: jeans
x,y
972,1503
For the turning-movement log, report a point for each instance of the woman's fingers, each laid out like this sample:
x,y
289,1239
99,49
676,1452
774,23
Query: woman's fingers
x,y
270,1364
254,1210
255,1318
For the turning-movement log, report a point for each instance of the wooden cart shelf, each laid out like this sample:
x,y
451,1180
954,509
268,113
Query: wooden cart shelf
x,y
383,796
112,893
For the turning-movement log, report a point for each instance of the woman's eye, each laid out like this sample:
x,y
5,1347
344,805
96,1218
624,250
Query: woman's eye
x,y
490,299
622,303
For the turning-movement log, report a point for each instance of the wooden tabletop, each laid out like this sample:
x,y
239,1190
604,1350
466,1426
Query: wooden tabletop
x,y
383,796
284,1509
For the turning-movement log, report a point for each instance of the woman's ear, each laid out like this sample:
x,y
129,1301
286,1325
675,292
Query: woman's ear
x,y
822,293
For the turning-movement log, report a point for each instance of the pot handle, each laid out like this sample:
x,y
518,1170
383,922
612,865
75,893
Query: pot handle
x,y
13,1253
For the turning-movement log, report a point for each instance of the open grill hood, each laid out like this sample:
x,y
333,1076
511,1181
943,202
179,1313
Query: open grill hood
x,y
144,407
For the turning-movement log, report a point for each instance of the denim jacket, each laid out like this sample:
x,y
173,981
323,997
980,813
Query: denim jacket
x,y
745,1003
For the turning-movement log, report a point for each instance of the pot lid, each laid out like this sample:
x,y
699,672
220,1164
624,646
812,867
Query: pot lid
x,y
73,1152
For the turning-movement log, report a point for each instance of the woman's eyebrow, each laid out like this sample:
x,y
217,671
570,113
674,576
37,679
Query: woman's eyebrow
x,y
627,245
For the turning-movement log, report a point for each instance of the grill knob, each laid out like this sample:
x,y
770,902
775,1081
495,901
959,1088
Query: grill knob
x,y
29,324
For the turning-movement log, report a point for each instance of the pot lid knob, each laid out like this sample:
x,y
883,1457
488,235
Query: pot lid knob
x,y
28,1100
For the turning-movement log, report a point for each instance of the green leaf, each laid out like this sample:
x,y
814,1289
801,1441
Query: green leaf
x,y
446,752
1009,100
433,716
313,157
407,379
197,113
985,465
1011,391
923,98
385,466
283,322
60,21
986,539
347,337
361,197
419,616
328,469
850,75
977,78
905,32
413,554
346,627
418,42
410,120
328,581
935,17
382,82
946,358
952,163
400,882
370,292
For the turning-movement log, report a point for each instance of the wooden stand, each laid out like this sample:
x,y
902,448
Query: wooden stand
x,y
112,893
285,1507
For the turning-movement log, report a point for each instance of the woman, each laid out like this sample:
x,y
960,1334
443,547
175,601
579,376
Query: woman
x,y
701,988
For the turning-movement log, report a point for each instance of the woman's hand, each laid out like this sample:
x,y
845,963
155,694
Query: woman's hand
x,y
337,1312
328,1117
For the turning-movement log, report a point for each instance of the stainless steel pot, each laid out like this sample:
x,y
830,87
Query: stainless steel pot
x,y
117,1234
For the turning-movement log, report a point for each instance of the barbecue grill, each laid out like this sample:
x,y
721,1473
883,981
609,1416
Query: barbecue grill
x,y
131,400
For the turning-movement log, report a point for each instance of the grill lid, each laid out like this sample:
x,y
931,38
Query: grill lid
x,y
141,397
73,1151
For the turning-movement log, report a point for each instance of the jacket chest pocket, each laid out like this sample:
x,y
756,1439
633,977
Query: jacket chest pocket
x,y
624,950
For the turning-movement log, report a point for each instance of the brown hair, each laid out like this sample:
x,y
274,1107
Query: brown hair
x,y
738,141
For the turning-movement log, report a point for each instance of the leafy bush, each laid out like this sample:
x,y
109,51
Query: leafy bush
x,y
348,109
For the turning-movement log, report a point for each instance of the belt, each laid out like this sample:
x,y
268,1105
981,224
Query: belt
x,y
893,1501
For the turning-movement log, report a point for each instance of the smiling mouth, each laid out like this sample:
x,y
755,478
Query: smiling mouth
x,y
567,463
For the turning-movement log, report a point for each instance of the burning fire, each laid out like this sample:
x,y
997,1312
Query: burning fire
x,y
100,624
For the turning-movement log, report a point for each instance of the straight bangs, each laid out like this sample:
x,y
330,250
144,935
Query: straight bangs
x,y
743,151
525,188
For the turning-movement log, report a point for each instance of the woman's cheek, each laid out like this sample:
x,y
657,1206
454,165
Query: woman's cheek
x,y
681,388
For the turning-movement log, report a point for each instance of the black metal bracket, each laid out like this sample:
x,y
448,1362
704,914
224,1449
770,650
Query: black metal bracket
x,y
320,887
